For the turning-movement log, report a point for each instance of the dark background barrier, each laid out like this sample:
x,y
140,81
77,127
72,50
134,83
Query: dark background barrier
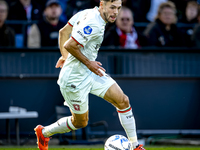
x,y
163,86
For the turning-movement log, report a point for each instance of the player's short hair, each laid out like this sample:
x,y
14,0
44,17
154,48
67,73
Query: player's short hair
x,y
109,0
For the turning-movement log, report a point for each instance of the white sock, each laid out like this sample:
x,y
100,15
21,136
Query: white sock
x,y
63,125
128,122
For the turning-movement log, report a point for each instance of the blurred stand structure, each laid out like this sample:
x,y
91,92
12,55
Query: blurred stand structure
x,y
162,79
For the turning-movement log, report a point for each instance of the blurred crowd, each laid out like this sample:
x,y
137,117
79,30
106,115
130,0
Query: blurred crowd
x,y
140,23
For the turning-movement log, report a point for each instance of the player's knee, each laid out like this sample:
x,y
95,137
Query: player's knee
x,y
124,102
81,124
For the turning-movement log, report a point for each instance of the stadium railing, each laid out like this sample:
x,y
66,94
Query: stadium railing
x,y
144,62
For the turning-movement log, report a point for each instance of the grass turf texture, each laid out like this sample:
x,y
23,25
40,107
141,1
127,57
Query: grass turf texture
x,y
66,148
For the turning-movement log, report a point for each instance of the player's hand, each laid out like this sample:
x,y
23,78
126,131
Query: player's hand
x,y
95,67
60,62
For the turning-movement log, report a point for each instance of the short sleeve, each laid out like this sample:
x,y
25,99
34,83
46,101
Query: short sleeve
x,y
83,33
73,19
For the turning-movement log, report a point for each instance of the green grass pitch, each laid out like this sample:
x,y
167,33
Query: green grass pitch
x,y
91,148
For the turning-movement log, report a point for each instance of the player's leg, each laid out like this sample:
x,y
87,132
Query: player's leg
x,y
66,124
78,104
115,96
105,87
63,125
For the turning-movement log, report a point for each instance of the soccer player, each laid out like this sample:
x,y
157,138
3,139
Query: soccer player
x,y
81,74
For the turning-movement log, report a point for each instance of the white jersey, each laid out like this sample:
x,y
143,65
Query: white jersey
x,y
88,31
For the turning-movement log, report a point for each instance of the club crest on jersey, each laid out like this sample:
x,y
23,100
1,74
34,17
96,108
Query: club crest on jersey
x,y
87,30
76,107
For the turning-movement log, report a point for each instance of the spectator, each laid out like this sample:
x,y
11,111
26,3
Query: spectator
x,y
123,33
46,32
63,4
190,18
163,31
25,10
7,35
191,12
195,37
153,9
180,6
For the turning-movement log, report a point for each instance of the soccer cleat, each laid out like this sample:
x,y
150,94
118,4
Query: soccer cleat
x,y
42,141
139,147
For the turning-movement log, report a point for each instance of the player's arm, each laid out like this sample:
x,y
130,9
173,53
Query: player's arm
x,y
64,34
73,48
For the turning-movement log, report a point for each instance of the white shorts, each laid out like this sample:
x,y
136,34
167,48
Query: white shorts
x,y
77,100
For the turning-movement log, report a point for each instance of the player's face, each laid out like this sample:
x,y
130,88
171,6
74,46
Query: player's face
x,y
111,10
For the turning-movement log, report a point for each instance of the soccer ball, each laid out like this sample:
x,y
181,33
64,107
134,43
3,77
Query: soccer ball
x,y
117,142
